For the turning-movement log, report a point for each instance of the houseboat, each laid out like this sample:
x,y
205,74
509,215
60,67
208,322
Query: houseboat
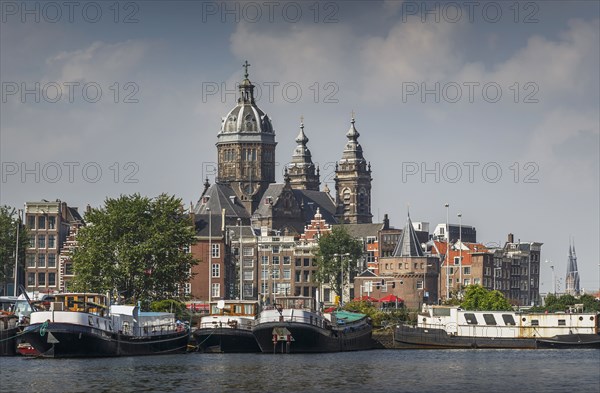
x,y
452,327
86,325
293,326
228,328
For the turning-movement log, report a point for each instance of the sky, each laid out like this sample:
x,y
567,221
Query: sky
x,y
492,107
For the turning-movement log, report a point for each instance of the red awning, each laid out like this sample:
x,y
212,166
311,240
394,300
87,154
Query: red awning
x,y
391,299
197,307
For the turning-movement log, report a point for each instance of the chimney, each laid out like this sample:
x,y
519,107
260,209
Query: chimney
x,y
511,238
386,222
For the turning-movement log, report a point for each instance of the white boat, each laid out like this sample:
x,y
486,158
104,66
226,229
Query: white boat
x,y
452,327
85,325
228,328
293,326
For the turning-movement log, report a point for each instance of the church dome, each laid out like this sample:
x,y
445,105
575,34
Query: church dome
x,y
246,122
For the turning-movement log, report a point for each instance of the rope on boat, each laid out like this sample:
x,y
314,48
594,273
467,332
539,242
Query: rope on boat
x,y
207,337
42,326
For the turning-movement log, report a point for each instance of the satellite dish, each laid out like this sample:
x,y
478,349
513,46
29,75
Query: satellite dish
x,y
221,304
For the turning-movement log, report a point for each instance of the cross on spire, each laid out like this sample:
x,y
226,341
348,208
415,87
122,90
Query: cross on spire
x,y
246,65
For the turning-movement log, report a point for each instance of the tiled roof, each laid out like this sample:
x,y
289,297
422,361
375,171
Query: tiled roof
x,y
221,196
408,245
362,231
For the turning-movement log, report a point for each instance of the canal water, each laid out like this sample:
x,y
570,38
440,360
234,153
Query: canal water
x,y
367,371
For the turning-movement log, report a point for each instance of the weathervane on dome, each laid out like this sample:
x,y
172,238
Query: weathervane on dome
x,y
246,65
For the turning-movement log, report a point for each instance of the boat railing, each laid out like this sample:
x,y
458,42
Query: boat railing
x,y
312,320
153,330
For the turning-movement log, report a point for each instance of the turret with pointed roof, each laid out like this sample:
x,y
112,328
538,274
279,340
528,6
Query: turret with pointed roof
x,y
408,245
301,168
353,182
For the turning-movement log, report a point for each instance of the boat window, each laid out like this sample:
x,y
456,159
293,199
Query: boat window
x,y
489,319
90,320
470,318
508,319
562,322
535,322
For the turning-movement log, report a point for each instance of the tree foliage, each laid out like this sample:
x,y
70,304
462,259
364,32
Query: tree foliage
x,y
554,303
8,240
478,298
380,318
170,305
136,246
331,257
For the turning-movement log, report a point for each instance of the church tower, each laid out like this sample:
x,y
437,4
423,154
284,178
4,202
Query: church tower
x,y
353,183
246,148
301,170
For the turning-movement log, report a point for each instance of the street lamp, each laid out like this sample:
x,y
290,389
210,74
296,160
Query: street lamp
x,y
16,272
239,221
460,251
209,258
553,278
447,205
336,255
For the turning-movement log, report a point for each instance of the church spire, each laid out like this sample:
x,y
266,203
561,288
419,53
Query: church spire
x,y
408,245
353,182
301,169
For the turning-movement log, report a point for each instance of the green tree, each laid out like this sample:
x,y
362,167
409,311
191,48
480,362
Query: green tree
x,y
554,303
338,252
9,221
478,298
136,246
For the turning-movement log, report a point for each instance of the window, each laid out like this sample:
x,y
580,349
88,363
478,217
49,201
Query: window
x,y
30,260
307,262
248,275
248,251
275,260
264,273
51,241
51,279
216,290
562,322
370,256
42,241
41,222
248,290
287,273
216,250
216,270
51,222
31,241
264,287
187,289
68,269
467,281
306,276
457,260
41,260
275,249
470,318
287,260
41,279
489,319
535,322
276,273
298,262
419,284
477,281
298,276
31,224
508,319
451,270
467,270
51,260
265,260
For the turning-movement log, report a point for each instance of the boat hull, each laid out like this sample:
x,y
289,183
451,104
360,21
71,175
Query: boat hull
x,y
306,338
67,340
226,340
8,341
408,337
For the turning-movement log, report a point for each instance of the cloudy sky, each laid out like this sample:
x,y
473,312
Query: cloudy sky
x,y
492,107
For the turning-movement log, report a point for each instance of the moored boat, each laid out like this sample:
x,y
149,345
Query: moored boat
x,y
9,328
85,325
228,328
293,326
452,327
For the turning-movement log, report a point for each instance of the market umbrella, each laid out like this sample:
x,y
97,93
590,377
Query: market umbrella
x,y
390,299
366,299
